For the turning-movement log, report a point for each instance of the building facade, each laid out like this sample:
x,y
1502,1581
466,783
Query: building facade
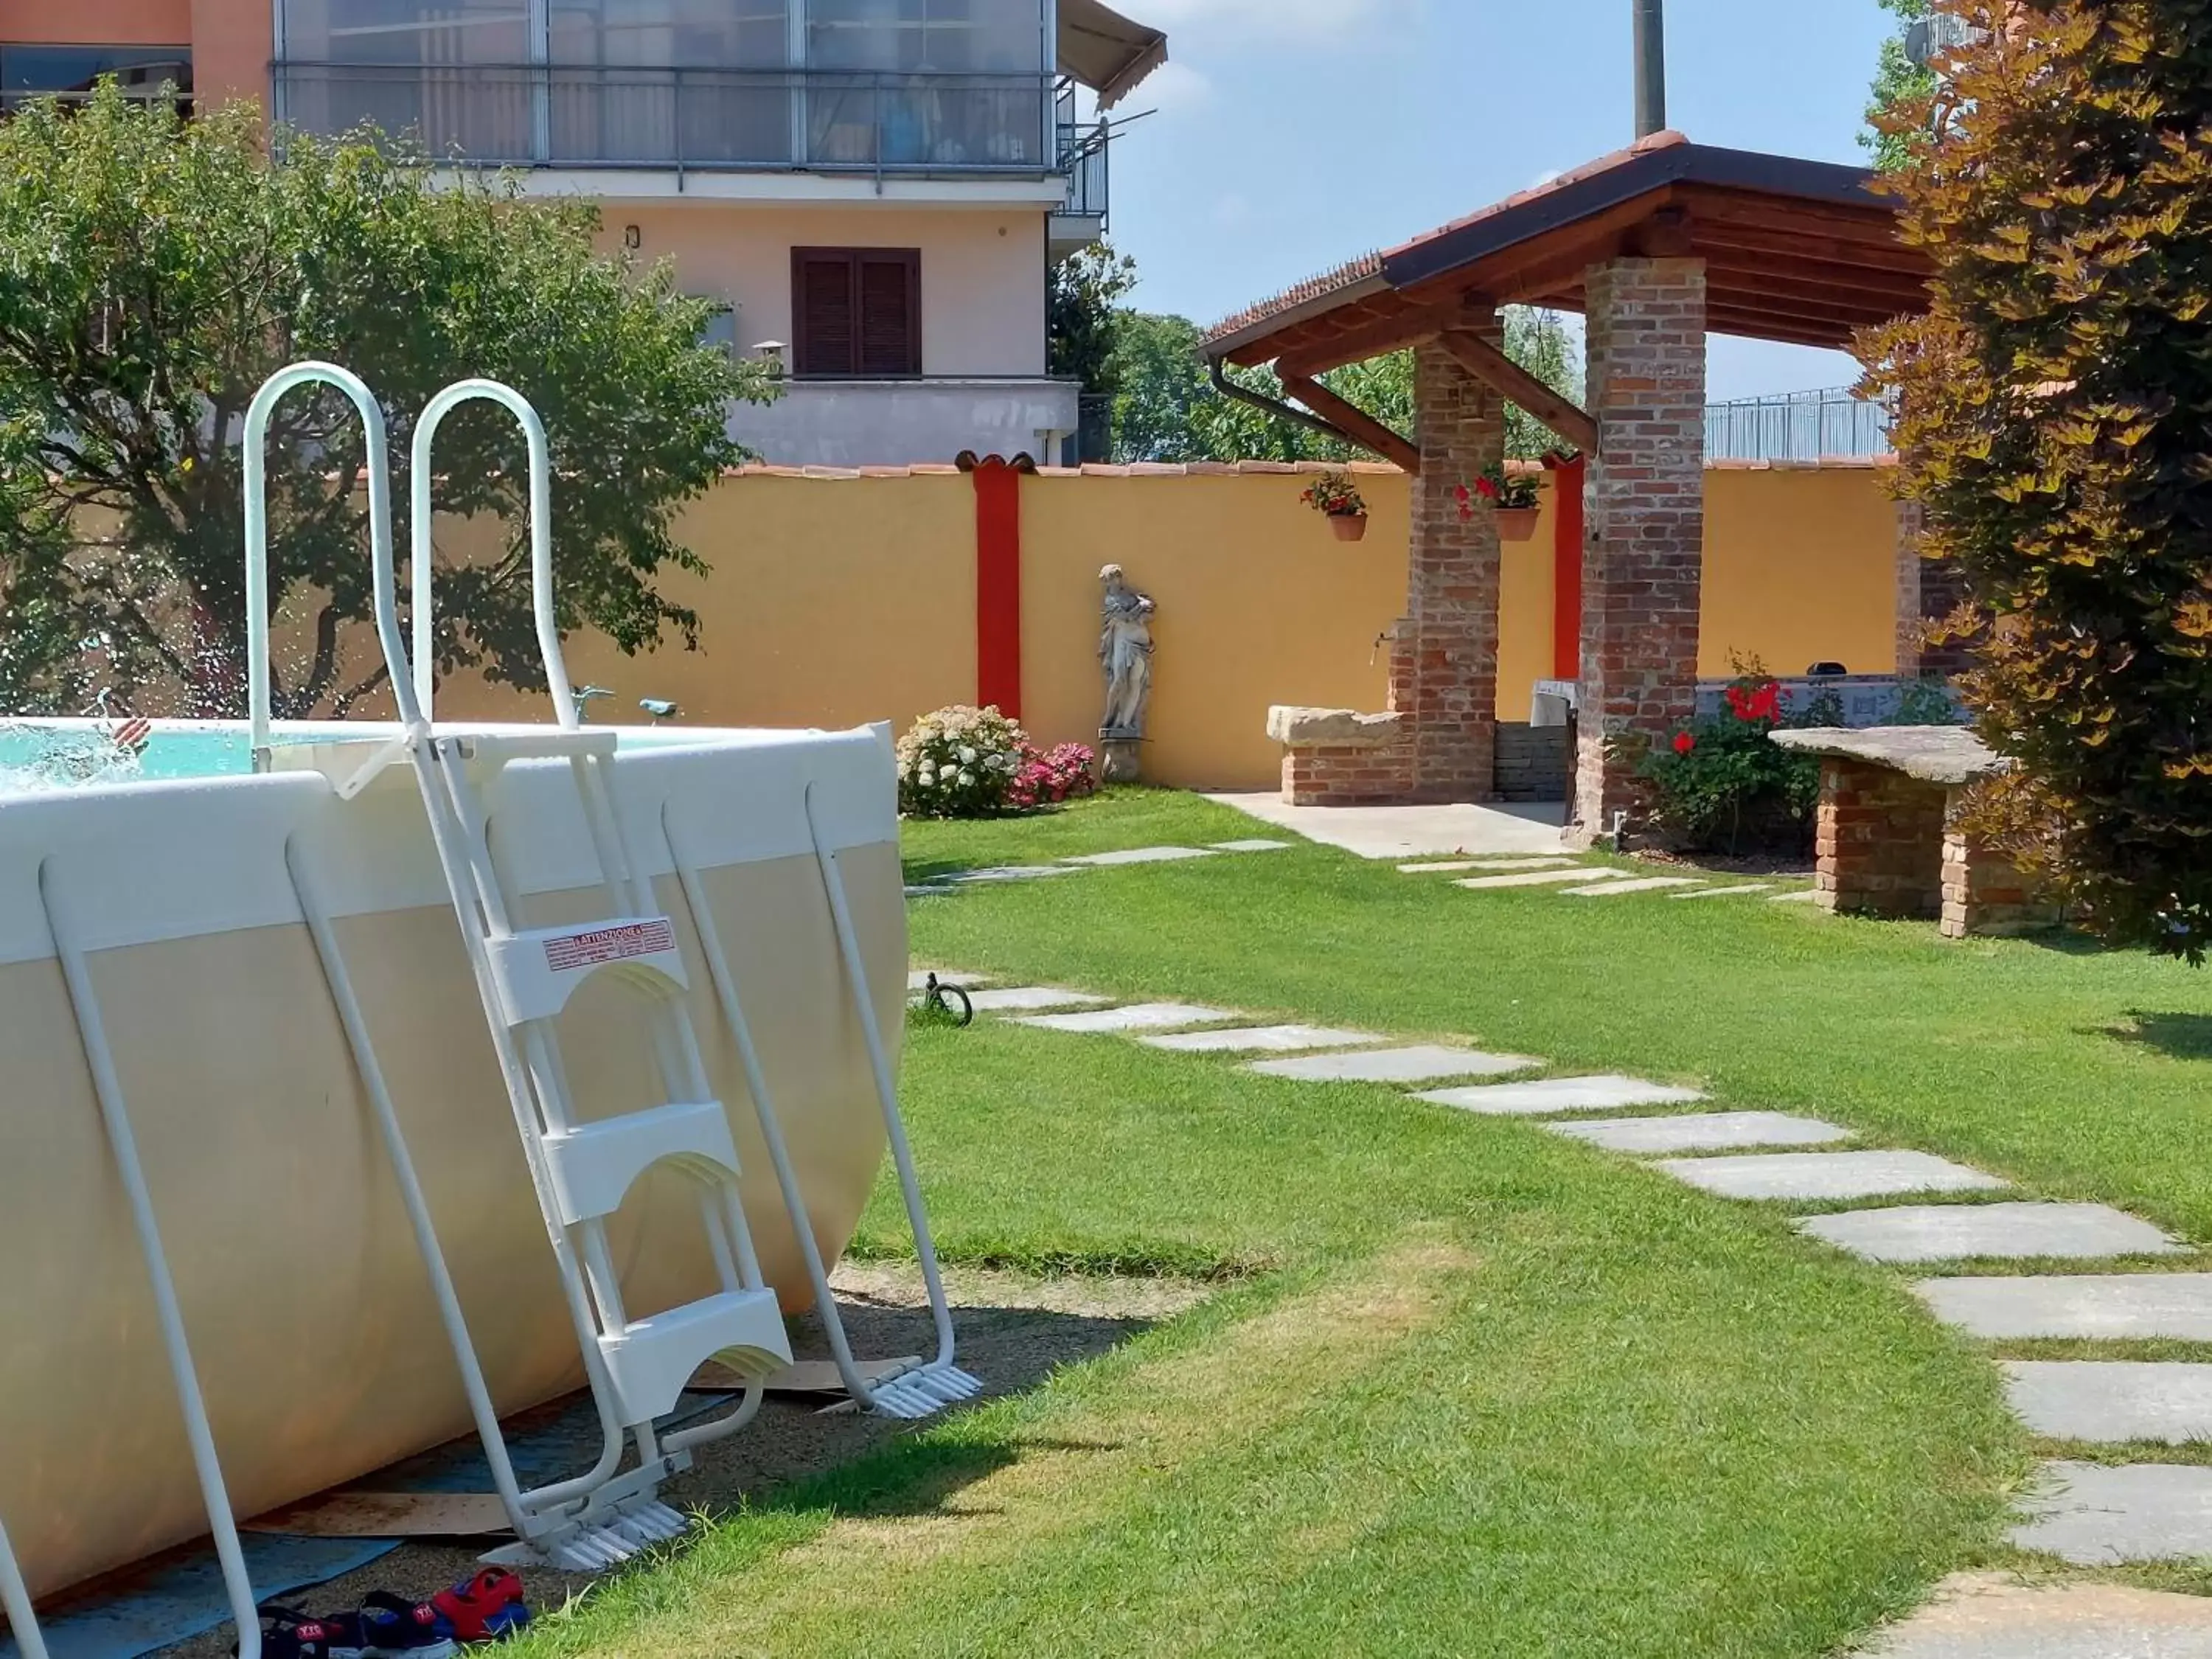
x,y
873,192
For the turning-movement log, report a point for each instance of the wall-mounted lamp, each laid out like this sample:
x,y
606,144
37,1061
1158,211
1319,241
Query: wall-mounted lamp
x,y
770,352
633,238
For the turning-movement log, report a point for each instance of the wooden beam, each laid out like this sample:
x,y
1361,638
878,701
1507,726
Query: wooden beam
x,y
1509,380
1356,423
1316,353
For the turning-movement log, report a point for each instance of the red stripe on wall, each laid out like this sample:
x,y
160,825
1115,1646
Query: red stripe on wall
x,y
998,587
1567,569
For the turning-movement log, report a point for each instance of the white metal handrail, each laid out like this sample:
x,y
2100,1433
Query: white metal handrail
x,y
377,461
541,547
15,1603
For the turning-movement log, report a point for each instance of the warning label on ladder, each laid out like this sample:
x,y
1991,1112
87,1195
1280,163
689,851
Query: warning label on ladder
x,y
622,943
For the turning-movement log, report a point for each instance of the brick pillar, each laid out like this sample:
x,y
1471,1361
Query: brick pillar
x,y
1928,591
1645,520
1985,895
1880,841
1444,662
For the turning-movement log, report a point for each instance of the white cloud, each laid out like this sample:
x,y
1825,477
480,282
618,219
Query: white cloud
x,y
1262,22
1173,87
1233,211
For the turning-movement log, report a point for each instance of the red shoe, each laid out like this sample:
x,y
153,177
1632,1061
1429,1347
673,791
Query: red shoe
x,y
488,1608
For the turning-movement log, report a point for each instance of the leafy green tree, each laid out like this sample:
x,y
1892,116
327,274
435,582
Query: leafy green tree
x,y
1082,314
1900,86
1167,409
157,270
2052,409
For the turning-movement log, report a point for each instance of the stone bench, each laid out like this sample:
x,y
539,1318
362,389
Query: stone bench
x,y
1338,758
1888,838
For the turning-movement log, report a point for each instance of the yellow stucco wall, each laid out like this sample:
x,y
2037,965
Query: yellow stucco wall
x,y
837,600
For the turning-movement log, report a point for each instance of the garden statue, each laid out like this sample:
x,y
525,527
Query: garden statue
x,y
1125,652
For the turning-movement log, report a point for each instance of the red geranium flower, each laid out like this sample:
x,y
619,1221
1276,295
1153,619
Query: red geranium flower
x,y
1685,742
1488,487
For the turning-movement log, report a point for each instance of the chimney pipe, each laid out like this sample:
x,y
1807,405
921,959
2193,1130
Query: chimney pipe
x,y
1650,67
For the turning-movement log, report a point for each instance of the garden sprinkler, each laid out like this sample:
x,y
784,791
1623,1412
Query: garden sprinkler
x,y
659,707
585,695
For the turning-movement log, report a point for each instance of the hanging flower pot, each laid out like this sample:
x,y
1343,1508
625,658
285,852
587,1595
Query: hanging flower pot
x,y
1349,526
1337,498
1516,524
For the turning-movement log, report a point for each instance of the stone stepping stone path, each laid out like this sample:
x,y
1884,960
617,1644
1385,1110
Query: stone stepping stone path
x,y
1009,872
1956,1232
1993,1616
1420,1064
1561,1094
2107,1307
1810,895
1029,999
1701,1132
1138,1017
2111,1400
1540,879
1253,846
919,978
2086,1514
1809,1177
1742,890
1457,867
2095,1516
1646,884
1262,1039
1146,855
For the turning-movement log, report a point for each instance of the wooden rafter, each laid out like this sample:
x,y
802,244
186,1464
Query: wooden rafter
x,y
1509,380
1354,421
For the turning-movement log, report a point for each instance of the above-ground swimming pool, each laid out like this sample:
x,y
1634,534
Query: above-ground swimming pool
x,y
310,1313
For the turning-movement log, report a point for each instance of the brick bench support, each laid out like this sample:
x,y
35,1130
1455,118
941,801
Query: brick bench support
x,y
1336,758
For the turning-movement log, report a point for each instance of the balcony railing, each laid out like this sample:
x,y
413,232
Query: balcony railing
x,y
1083,151
729,120
1797,426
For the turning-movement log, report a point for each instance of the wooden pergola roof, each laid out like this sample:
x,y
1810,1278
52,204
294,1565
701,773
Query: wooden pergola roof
x,y
1797,250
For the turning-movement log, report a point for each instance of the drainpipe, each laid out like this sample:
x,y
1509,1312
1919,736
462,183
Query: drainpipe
x,y
1650,67
1267,405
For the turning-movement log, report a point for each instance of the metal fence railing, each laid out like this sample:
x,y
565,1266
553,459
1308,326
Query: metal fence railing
x,y
586,116
1798,426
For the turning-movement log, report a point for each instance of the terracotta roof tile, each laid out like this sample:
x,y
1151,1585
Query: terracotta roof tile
x,y
1366,268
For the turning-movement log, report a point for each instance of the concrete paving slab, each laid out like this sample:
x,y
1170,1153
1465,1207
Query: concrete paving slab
x,y
1809,1175
1702,1132
1421,1063
1538,878
1138,1017
1146,855
1561,1094
2107,1307
1810,895
2111,1400
1995,1616
1010,873
1263,1039
1948,1232
1647,885
1253,846
919,979
1412,832
2096,1516
1496,867
1742,890
1030,998
931,890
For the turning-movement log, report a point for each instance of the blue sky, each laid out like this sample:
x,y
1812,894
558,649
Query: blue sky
x,y
1295,134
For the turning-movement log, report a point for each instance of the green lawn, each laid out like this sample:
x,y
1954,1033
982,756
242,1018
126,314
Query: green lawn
x,y
1467,1389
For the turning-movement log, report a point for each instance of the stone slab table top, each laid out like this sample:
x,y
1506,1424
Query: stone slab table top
x,y
1419,1064
2094,1516
1933,754
1992,1615
1814,1175
2111,1400
1332,728
1946,1232
1611,1093
1701,1132
2114,1307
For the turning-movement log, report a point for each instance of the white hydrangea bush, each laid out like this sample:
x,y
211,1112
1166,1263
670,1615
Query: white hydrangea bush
x,y
960,763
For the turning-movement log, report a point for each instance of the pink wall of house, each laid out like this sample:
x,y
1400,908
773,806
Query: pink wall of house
x,y
231,40
982,268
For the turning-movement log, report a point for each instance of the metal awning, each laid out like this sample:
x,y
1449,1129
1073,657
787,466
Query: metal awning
x,y
1105,50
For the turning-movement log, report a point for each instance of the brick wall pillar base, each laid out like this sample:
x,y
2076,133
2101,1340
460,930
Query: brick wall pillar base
x,y
1986,896
1334,757
1880,840
1644,525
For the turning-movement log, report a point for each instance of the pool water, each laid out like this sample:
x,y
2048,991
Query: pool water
x,y
39,756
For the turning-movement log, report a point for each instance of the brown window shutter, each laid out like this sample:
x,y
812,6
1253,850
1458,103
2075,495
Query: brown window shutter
x,y
890,313
825,311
